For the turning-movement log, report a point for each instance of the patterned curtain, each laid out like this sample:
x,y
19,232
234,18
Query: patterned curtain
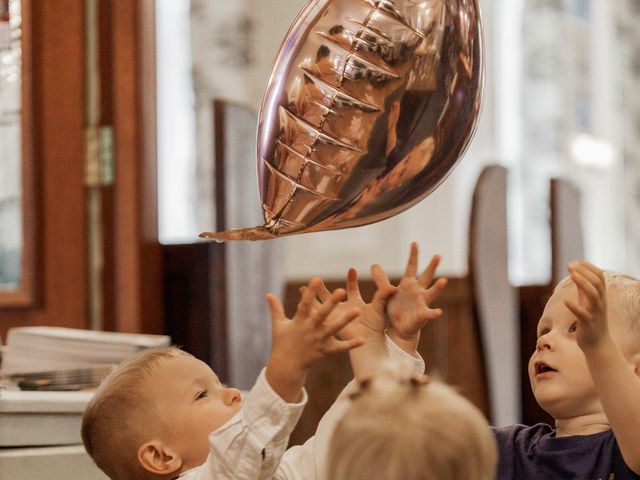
x,y
546,96
570,93
222,36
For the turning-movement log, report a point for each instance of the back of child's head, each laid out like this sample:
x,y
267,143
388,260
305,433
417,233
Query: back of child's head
x,y
398,428
120,416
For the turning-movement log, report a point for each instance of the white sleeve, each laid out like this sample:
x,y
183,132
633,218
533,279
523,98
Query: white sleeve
x,y
397,353
250,445
309,460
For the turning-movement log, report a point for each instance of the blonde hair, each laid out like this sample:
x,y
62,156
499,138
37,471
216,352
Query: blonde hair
x,y
403,430
627,300
111,422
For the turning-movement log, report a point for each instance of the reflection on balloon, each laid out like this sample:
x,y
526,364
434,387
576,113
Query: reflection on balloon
x,y
370,105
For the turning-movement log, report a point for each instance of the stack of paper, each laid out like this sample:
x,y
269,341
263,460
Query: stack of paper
x,y
47,349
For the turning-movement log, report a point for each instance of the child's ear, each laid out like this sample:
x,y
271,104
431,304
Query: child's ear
x,y
157,458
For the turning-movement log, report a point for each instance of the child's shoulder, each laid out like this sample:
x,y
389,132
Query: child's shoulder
x,y
523,433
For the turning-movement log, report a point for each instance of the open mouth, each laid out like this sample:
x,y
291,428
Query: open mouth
x,y
541,367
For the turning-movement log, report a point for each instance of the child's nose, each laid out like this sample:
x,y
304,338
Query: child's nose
x,y
231,396
543,342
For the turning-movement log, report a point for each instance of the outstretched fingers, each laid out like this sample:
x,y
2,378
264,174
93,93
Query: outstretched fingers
x,y
580,312
429,273
330,331
328,306
353,288
344,345
591,273
275,308
309,297
411,270
323,292
384,288
590,283
435,291
333,327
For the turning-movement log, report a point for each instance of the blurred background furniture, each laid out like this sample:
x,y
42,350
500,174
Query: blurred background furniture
x,y
40,436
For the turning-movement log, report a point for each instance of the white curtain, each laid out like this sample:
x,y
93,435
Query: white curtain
x,y
570,103
222,38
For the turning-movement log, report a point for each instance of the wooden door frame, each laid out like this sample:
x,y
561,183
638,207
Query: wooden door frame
x,y
137,251
133,277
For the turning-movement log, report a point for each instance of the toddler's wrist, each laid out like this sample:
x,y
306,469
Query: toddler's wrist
x,y
286,365
287,378
408,343
405,337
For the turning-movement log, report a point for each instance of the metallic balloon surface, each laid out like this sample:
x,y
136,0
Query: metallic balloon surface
x,y
370,105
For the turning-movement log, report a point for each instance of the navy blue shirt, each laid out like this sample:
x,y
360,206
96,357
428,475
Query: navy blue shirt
x,y
531,453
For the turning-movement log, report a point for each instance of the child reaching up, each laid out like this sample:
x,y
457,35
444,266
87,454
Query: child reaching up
x,y
390,324
392,321
400,426
585,373
165,415
397,425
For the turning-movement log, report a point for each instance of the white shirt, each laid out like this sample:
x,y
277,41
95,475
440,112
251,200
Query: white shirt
x,y
264,424
250,445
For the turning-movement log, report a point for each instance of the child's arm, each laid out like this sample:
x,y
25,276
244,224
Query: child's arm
x,y
408,309
617,385
309,460
305,339
251,444
369,325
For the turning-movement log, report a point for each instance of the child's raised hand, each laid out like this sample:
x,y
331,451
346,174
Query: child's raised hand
x,y
311,333
408,309
372,320
306,338
591,308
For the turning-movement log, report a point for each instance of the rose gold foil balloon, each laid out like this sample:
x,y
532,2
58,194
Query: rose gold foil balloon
x,y
370,105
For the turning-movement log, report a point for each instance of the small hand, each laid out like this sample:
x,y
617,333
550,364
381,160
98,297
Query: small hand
x,y
408,309
591,308
372,321
311,334
306,338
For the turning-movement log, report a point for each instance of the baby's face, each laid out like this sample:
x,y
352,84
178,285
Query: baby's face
x,y
558,370
191,403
